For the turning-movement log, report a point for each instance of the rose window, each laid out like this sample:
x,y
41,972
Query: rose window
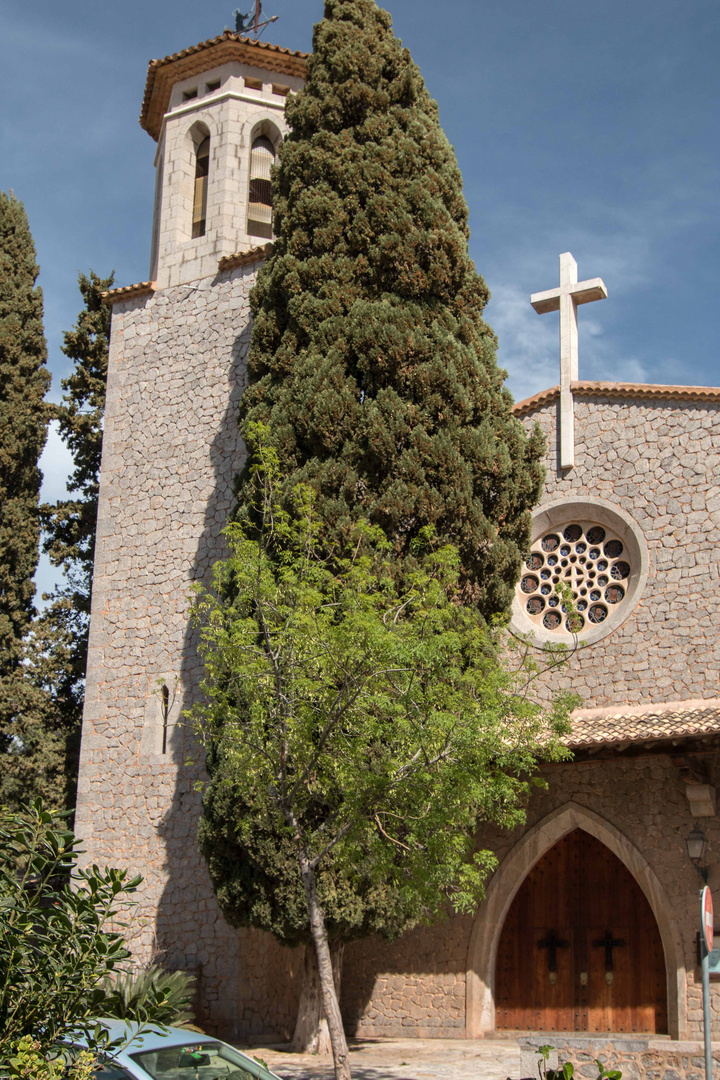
x,y
575,578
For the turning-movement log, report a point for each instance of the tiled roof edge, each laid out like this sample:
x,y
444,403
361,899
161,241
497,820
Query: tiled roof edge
x,y
244,258
155,66
630,724
128,292
650,709
528,405
622,390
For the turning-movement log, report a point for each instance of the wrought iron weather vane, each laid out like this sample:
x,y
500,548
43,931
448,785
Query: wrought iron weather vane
x,y
252,22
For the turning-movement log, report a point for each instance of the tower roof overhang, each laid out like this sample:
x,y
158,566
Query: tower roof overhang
x,y
163,74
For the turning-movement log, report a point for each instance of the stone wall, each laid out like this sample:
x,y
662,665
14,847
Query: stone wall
x,y
415,986
637,1059
171,449
659,461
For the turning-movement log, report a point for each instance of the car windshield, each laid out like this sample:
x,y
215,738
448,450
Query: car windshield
x,y
196,1061
109,1071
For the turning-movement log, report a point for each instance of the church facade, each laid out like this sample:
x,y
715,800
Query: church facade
x,y
590,920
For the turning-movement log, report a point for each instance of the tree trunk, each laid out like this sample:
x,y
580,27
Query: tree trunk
x,y
325,971
311,1030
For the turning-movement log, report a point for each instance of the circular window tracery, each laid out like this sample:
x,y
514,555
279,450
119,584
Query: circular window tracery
x,y
579,584
583,575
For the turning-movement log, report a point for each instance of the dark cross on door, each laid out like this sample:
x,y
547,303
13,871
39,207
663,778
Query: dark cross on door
x,y
552,943
608,943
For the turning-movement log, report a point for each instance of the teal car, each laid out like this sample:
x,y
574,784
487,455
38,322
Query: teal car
x,y
174,1054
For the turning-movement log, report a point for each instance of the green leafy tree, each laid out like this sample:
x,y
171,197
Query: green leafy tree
x,y
253,867
364,722
59,940
57,661
370,360
24,416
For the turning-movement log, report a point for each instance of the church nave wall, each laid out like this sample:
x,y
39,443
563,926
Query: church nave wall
x,y
660,462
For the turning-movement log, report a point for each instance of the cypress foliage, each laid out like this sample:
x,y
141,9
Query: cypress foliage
x,y
70,525
370,360
24,380
253,866
58,661
44,709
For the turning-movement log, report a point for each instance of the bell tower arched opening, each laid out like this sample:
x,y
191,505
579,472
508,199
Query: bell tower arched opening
x,y
580,949
201,141
263,155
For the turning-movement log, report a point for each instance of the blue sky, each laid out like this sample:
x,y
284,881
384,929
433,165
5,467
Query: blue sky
x,y
590,128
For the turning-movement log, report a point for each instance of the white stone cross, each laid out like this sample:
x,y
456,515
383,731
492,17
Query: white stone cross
x,y
566,299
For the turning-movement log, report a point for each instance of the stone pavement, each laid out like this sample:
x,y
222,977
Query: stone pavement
x,y
404,1059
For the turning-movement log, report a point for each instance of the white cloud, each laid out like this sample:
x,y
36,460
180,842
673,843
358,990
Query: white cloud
x,y
55,464
530,348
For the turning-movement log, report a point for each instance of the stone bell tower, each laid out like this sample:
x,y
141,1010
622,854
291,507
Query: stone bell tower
x,y
170,452
217,113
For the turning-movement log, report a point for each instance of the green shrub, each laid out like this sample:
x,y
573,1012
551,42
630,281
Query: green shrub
x,y
130,991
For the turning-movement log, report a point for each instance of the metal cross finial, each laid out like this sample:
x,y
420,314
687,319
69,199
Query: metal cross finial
x,y
565,299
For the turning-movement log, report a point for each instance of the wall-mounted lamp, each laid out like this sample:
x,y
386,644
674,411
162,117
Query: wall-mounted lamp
x,y
696,844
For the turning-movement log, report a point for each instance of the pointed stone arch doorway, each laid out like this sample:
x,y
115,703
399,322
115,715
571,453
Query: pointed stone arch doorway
x,y
580,949
506,885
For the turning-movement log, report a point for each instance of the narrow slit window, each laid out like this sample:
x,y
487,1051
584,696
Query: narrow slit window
x,y
202,168
165,710
190,95
262,159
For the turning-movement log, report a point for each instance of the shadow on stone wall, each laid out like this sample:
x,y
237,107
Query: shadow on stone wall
x,y
416,982
247,985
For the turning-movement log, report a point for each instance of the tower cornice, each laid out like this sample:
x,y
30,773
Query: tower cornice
x,y
228,46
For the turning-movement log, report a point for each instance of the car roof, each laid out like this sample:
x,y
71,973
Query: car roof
x,y
154,1037
145,1036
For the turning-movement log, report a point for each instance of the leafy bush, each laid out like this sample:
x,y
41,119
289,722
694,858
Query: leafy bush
x,y
56,947
129,993
27,1061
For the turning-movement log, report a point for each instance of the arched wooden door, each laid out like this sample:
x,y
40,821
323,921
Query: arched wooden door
x,y
580,949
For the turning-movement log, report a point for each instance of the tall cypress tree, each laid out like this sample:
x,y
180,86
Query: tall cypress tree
x,y
370,360
24,380
70,524
57,664
375,374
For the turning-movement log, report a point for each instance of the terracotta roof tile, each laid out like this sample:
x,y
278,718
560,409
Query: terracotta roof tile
x,y
244,258
128,292
643,723
163,74
621,390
